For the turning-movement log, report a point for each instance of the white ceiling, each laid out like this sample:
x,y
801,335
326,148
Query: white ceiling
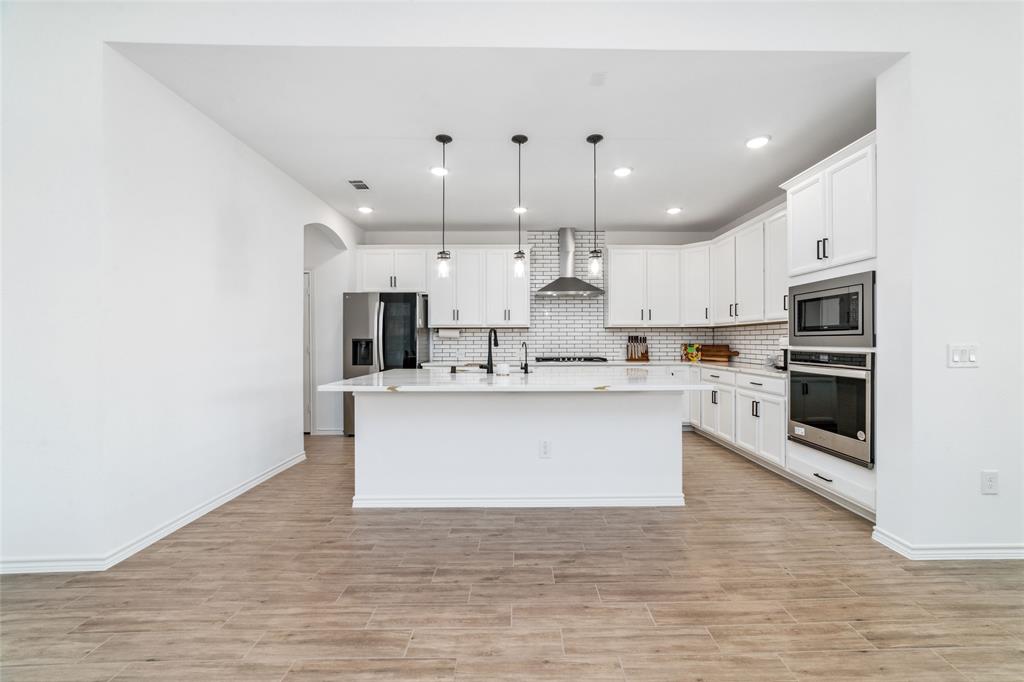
x,y
680,119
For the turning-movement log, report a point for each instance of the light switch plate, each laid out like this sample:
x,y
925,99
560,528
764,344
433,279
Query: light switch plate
x,y
962,355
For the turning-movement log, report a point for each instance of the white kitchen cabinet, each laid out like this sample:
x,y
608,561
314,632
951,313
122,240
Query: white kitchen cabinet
x,y
760,425
805,214
725,400
851,208
391,269
749,306
695,277
506,298
458,300
723,280
776,270
708,412
643,287
694,397
663,290
830,210
627,280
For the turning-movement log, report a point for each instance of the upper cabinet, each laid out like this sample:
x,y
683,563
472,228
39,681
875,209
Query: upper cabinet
x,y
750,273
403,269
643,288
480,291
507,297
723,280
831,210
695,275
776,268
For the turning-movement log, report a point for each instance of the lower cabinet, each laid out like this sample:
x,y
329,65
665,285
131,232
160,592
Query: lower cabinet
x,y
717,415
761,425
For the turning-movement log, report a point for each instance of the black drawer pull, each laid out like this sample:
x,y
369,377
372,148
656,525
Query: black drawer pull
x,y
713,376
755,383
822,477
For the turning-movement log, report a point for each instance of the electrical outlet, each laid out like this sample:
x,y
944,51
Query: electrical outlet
x,y
545,449
989,482
961,355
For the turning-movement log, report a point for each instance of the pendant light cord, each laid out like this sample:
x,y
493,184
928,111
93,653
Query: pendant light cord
x,y
444,192
519,200
595,196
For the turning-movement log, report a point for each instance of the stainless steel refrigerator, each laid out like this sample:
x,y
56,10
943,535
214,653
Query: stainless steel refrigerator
x,y
382,331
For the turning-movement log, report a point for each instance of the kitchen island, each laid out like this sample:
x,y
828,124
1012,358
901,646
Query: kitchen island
x,y
580,437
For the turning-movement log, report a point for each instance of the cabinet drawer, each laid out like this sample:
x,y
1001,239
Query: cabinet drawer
x,y
763,384
829,477
714,376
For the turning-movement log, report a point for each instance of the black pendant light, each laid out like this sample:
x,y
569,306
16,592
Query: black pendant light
x,y
444,257
594,266
519,257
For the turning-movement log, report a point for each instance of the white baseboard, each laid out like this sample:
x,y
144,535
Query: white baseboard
x,y
362,501
102,563
954,551
328,432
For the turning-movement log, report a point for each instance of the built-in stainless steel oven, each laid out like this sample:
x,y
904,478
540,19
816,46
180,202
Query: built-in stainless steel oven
x,y
830,403
833,312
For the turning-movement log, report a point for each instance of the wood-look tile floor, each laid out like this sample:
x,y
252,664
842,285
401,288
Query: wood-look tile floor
x,y
756,579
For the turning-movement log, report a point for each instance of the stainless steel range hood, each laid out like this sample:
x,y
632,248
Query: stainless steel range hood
x,y
567,283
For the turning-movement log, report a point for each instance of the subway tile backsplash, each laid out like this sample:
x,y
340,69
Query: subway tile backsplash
x,y
575,326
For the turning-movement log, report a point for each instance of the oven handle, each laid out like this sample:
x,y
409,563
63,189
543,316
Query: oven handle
x,y
831,371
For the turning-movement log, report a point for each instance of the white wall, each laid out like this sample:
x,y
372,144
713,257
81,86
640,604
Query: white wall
x,y
333,272
949,143
152,344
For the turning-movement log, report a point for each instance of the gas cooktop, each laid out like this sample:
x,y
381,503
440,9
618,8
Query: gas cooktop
x,y
570,358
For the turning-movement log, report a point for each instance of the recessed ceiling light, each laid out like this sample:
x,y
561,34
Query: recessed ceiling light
x,y
519,209
365,209
758,142
675,210
439,170
622,172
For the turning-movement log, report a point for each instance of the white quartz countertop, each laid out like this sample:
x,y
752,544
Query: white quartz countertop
x,y
746,368
568,380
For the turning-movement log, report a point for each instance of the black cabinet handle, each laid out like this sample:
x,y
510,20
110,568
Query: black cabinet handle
x,y
817,250
713,376
824,247
649,316
753,413
737,306
822,477
730,309
785,301
641,313
756,383
714,397
757,411
705,313
803,389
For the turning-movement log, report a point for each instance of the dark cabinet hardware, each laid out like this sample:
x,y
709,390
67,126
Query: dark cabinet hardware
x,y
730,309
785,301
756,383
824,247
649,316
713,376
705,313
737,309
714,397
753,404
757,409
817,250
641,313
822,477
803,389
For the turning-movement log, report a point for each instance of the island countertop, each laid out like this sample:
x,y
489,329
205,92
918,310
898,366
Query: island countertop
x,y
568,380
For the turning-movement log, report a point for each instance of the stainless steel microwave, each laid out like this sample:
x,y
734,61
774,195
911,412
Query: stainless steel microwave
x,y
834,312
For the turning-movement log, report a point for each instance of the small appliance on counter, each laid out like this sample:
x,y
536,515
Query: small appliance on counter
x,y
636,349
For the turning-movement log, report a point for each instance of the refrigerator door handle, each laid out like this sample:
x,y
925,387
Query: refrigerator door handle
x,y
378,339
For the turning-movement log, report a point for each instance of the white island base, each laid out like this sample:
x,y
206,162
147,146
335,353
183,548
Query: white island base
x,y
518,449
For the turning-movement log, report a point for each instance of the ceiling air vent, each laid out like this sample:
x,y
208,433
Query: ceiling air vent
x,y
358,184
